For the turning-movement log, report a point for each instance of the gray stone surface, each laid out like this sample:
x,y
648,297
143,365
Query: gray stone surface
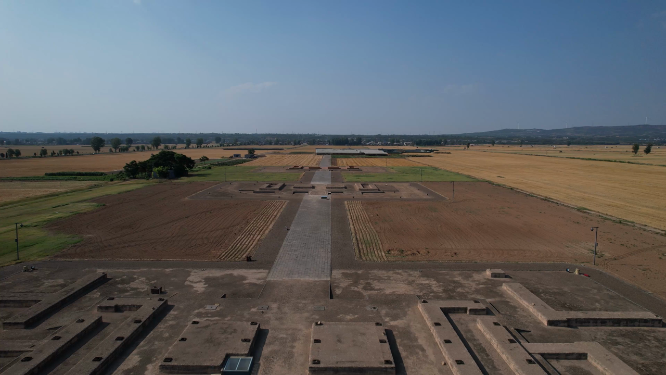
x,y
306,251
322,177
325,161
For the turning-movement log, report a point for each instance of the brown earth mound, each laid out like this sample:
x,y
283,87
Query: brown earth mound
x,y
158,222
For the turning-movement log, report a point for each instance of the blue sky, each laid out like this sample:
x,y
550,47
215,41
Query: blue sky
x,y
362,67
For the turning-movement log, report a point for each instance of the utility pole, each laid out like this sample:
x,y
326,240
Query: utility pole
x,y
18,225
596,233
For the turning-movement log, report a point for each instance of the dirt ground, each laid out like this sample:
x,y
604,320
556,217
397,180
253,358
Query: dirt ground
x,y
613,152
494,224
158,222
627,191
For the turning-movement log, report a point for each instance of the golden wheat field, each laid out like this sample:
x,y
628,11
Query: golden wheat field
x,y
614,152
16,190
281,160
375,162
627,191
93,163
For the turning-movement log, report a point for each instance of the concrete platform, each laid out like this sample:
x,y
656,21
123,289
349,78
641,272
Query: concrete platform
x,y
53,302
204,346
593,352
350,348
33,362
513,353
143,311
456,355
551,317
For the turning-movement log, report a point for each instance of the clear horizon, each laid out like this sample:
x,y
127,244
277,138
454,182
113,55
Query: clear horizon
x,y
329,68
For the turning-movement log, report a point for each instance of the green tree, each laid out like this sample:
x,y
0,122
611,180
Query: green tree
x,y
115,143
188,142
143,147
204,158
648,148
17,153
129,141
156,142
131,169
635,148
218,140
199,142
492,142
251,151
165,160
43,152
568,143
10,153
97,143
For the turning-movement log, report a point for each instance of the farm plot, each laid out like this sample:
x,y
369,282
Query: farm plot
x,y
254,232
627,191
106,162
367,245
157,222
487,223
310,160
375,162
16,190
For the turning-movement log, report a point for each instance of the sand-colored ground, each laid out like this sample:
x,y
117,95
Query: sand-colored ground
x,y
93,163
158,222
375,162
494,224
308,160
615,152
627,191
15,190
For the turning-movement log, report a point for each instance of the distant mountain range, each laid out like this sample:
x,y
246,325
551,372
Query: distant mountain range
x,y
637,132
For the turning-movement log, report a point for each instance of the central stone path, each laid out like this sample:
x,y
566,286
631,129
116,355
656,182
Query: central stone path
x,y
323,176
306,251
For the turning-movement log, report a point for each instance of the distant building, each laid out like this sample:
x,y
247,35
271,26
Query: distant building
x,y
348,151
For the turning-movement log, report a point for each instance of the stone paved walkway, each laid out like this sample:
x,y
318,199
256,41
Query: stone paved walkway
x,y
323,176
306,251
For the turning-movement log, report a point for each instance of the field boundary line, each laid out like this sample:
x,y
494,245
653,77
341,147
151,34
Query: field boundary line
x,y
367,245
246,241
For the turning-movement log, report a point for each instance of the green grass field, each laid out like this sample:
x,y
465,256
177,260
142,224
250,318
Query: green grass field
x,y
406,174
239,173
36,242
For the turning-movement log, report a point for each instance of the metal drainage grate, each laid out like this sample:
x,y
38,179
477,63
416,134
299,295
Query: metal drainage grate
x,y
319,308
263,308
211,307
237,365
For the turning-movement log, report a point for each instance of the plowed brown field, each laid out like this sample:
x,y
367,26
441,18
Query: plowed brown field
x,y
494,224
158,222
286,160
367,245
375,162
254,232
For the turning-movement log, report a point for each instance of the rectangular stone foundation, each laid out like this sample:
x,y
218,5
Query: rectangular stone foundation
x,y
204,346
34,361
551,317
350,348
141,312
53,302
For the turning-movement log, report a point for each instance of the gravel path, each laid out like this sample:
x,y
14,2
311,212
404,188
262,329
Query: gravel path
x,y
306,251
